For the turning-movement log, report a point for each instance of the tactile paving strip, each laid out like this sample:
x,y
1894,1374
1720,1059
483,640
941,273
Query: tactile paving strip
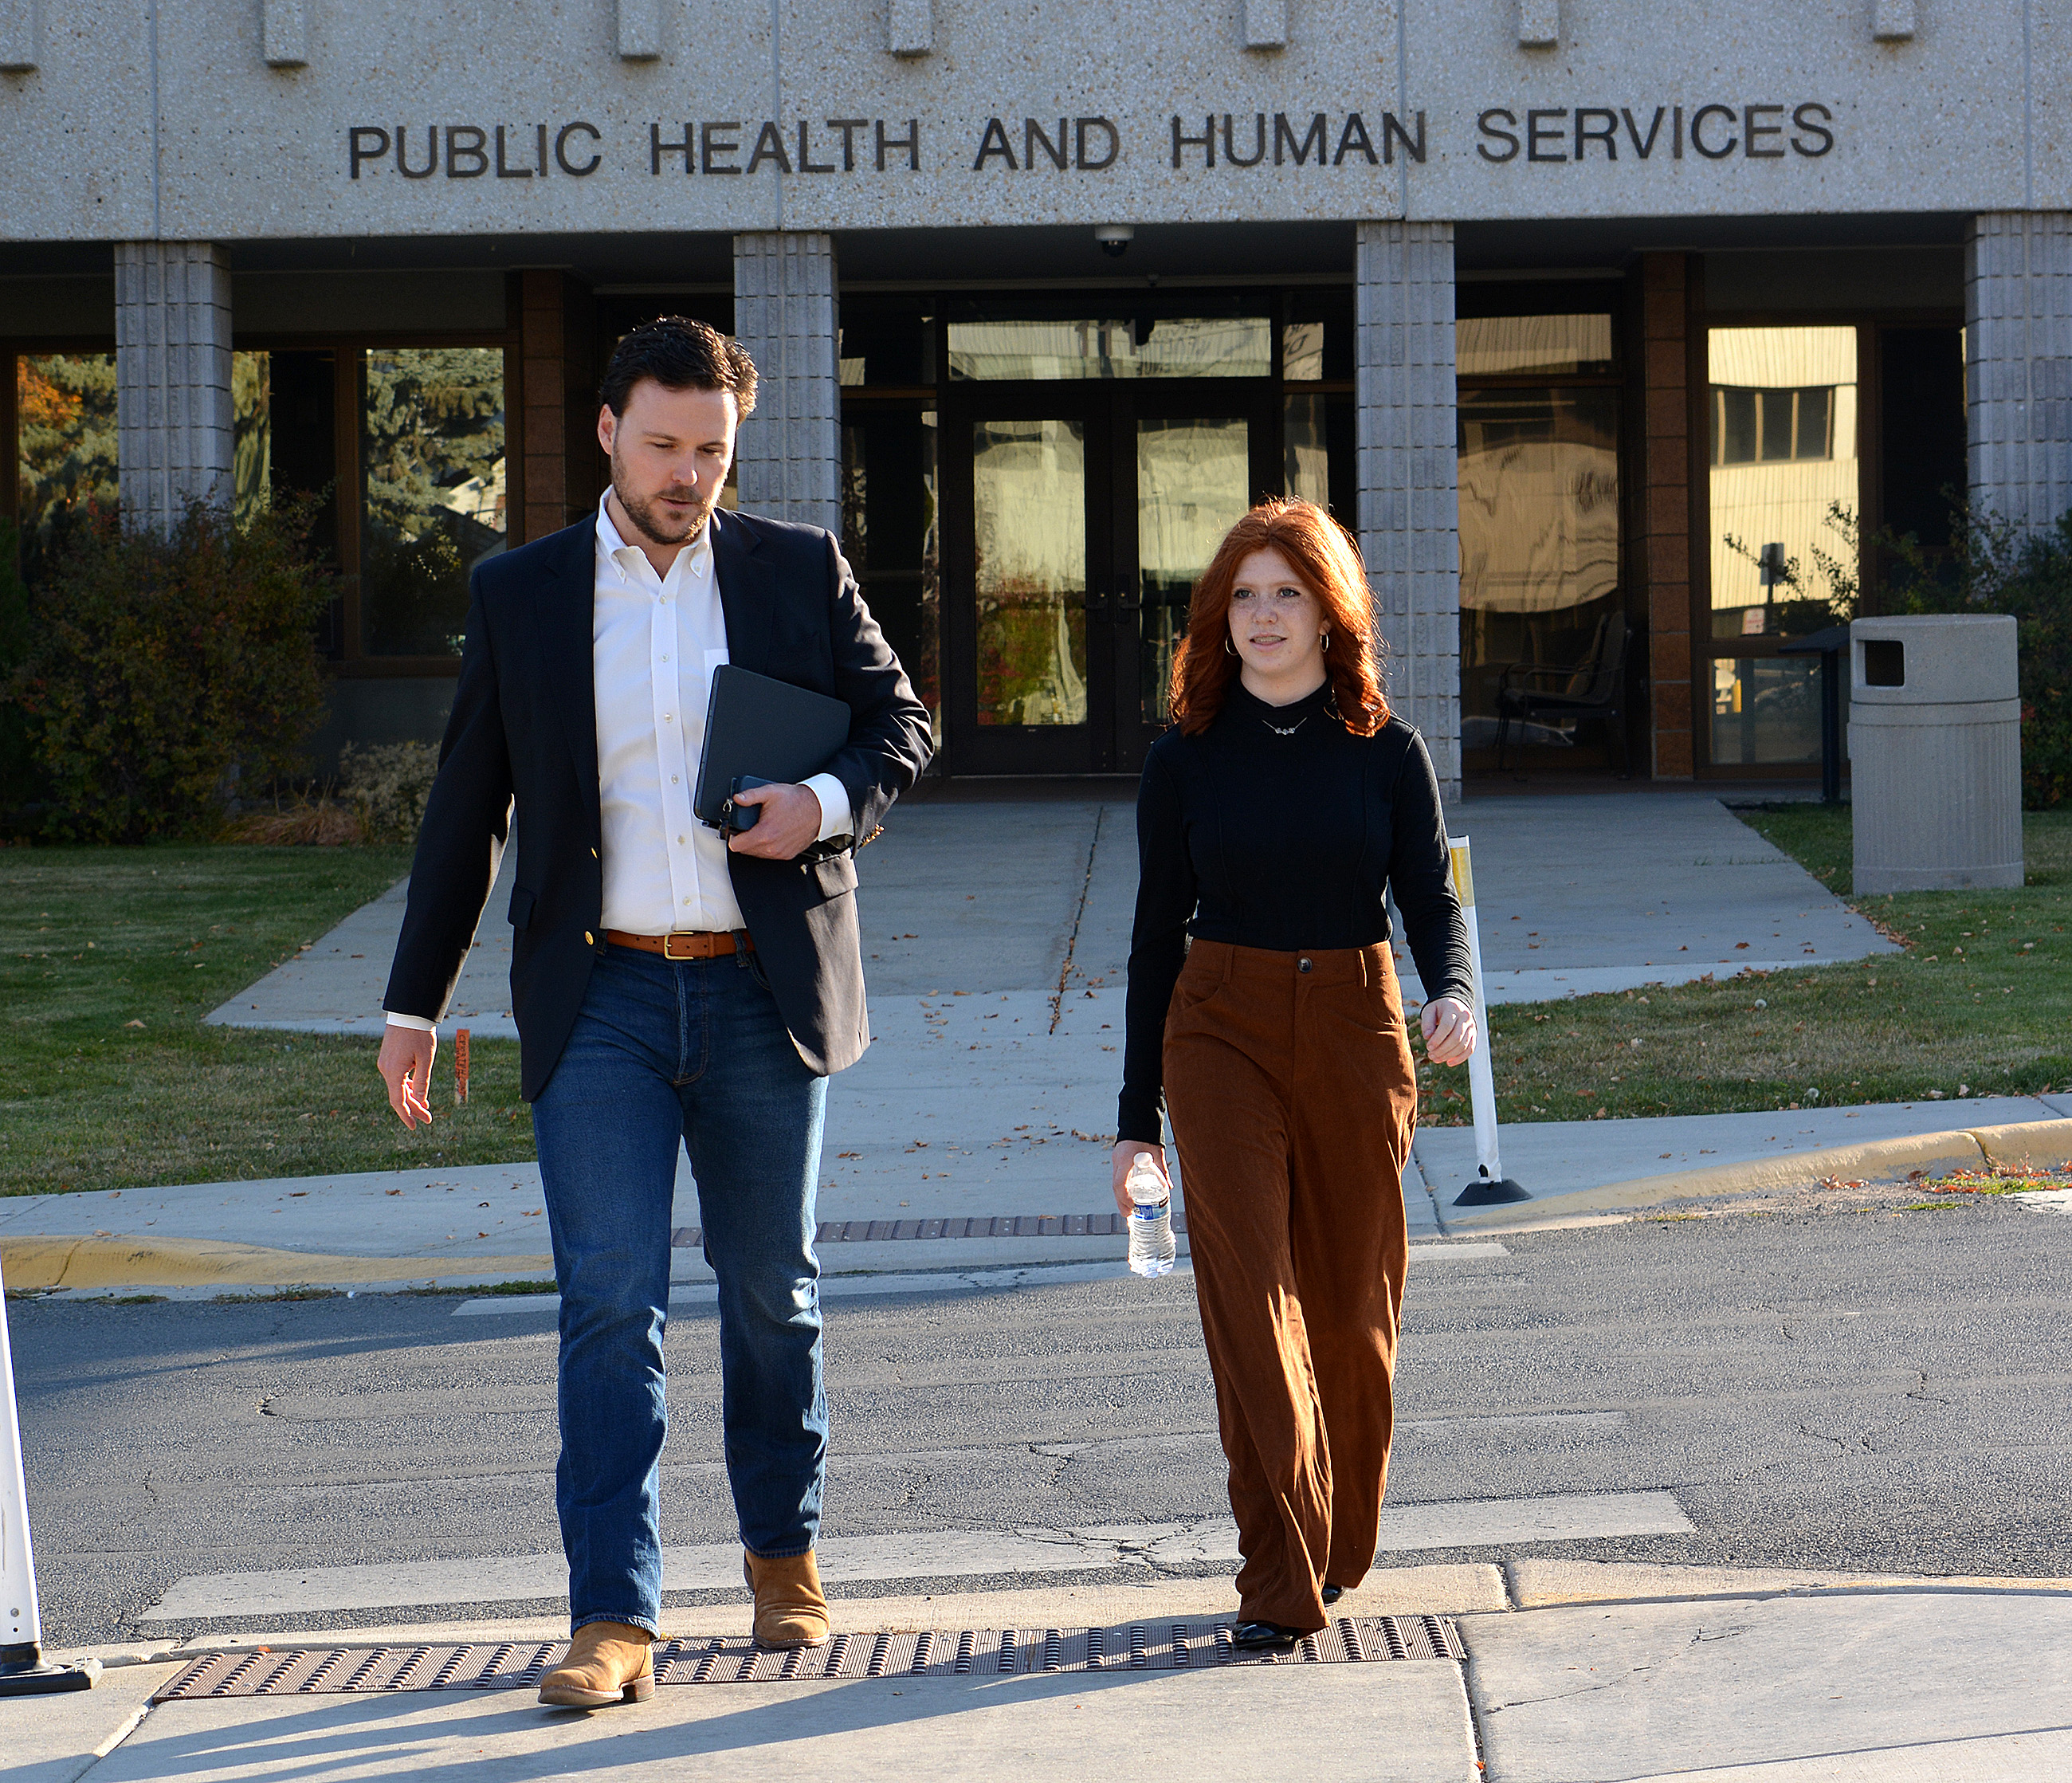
x,y
736,1659
999,1225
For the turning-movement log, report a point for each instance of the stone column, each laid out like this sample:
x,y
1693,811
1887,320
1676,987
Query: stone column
x,y
2018,363
1409,500
174,420
790,453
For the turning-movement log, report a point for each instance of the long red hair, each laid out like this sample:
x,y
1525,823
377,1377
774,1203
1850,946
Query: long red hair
x,y
1324,557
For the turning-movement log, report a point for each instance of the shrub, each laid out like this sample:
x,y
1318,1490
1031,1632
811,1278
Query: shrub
x,y
169,671
17,772
319,822
387,784
1992,566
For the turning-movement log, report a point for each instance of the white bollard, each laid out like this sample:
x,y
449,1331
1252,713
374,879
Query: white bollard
x,y
22,1672
1491,1185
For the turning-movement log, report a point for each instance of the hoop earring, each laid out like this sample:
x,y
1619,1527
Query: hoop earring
x,y
1323,640
1227,645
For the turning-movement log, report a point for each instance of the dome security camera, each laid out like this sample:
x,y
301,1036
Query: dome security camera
x,y
1115,239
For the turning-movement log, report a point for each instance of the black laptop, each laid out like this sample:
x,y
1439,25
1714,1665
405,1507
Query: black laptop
x,y
763,730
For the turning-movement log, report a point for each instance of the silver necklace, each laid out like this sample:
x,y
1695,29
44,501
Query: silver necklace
x,y
1288,731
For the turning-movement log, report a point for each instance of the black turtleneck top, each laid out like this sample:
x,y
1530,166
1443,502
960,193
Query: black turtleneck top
x,y
1277,828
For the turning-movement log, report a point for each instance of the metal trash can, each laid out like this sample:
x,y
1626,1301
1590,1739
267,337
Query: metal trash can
x,y
1935,752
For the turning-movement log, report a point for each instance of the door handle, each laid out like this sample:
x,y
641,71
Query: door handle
x,y
1097,602
1129,601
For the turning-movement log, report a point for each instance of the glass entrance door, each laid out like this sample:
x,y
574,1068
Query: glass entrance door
x,y
1197,461
1076,521
1026,545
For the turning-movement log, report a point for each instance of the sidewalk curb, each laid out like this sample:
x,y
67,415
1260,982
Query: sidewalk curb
x,y
2026,1145
32,1263
104,1263
122,1263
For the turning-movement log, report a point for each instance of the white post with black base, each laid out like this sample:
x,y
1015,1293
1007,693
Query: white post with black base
x,y
23,1671
1491,1187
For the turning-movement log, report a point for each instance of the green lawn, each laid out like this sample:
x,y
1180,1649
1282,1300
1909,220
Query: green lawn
x,y
112,956
1978,1004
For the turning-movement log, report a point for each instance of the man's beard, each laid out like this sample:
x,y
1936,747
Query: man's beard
x,y
649,521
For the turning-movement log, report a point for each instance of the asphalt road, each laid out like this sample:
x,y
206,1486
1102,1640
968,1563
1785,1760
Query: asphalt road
x,y
1876,1389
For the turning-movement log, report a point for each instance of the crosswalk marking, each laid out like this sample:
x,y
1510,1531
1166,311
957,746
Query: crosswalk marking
x,y
941,1555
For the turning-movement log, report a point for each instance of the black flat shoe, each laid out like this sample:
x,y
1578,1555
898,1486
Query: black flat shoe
x,y
1331,1593
1263,1636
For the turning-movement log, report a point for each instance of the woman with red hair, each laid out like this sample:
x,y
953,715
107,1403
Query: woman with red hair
x,y
1272,820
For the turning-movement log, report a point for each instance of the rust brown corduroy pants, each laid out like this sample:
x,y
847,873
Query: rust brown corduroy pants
x,y
1293,1098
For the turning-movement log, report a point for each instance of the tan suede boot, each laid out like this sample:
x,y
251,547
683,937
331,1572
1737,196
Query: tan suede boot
x,y
790,1609
608,1662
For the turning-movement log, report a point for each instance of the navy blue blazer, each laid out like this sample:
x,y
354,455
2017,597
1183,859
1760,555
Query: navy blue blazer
x,y
523,732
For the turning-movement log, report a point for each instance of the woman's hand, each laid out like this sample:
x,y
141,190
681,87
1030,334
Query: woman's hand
x,y
1126,1153
1450,1031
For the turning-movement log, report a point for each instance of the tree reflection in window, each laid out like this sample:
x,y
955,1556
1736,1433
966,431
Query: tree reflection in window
x,y
66,406
433,491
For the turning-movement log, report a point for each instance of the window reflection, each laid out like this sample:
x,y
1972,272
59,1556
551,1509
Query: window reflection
x,y
1142,347
1539,539
1029,515
1765,710
1783,404
1305,451
889,534
1192,481
1302,352
1533,346
252,453
66,419
433,491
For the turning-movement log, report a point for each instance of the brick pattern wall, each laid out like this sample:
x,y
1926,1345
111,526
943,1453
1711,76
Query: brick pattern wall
x,y
543,436
175,417
1409,494
1664,546
790,453
2018,368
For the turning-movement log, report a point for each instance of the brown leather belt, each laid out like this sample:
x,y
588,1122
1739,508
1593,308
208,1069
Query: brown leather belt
x,y
687,944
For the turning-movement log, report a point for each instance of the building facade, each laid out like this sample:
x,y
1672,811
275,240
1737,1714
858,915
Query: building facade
x,y
1616,332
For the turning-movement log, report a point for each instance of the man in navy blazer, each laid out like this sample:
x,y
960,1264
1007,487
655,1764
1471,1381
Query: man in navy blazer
x,y
670,985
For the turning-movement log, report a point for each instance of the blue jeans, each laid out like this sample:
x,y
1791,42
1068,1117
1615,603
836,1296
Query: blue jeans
x,y
663,1051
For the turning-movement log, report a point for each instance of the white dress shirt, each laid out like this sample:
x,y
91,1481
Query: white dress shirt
x,y
655,641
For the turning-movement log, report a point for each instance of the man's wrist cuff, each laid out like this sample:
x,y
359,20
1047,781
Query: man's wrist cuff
x,y
417,1023
837,819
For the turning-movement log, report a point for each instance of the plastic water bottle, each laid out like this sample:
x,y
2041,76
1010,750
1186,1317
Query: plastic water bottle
x,y
1151,1248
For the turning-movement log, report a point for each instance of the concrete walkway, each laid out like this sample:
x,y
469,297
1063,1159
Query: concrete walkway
x,y
1576,1672
1577,893
1590,892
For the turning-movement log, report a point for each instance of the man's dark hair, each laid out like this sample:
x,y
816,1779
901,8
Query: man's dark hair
x,y
679,354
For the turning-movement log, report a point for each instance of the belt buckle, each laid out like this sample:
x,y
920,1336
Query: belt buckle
x,y
688,934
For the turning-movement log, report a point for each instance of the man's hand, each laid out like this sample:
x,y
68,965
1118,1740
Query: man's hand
x,y
1449,1031
1126,1153
789,826
405,1064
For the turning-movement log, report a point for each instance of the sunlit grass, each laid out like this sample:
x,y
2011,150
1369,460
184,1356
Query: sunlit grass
x,y
108,959
1978,1003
